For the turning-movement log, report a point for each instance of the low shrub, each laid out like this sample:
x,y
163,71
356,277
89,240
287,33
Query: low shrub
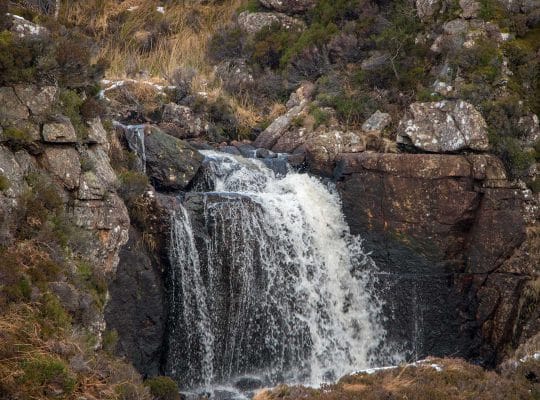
x,y
132,185
17,138
270,45
70,103
44,374
163,388
4,183
227,43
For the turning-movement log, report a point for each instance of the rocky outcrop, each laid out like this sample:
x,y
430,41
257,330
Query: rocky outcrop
x,y
443,127
171,163
252,23
289,6
295,106
182,122
451,222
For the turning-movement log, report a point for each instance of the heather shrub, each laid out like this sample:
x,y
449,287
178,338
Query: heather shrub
x,y
163,388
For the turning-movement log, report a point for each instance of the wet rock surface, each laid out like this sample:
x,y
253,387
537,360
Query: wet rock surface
x,y
453,223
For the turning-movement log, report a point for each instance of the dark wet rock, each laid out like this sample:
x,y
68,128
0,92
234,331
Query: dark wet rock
x,y
170,162
136,309
248,383
453,239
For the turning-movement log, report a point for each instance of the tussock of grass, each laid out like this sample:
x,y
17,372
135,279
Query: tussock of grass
x,y
144,39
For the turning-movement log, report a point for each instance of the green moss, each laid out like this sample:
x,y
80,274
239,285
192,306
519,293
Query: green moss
x,y
163,388
316,35
336,11
110,340
4,183
42,372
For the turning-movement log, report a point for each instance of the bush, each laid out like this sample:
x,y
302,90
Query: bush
x,y
227,43
17,138
509,149
270,44
43,373
163,388
132,185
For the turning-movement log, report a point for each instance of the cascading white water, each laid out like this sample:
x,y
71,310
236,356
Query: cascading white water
x,y
269,283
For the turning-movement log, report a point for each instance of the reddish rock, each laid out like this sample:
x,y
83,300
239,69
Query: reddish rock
x,y
454,216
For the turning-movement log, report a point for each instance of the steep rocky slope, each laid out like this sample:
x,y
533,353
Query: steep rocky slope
x,y
424,114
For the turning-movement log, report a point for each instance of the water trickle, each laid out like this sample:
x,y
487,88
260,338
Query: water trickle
x,y
134,135
267,280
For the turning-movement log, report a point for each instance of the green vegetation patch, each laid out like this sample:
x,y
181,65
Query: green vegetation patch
x,y
163,388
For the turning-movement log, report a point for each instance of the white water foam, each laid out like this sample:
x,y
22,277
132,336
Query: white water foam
x,y
280,289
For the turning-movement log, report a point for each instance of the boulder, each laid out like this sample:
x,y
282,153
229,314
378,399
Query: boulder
x,y
100,178
64,164
322,150
427,9
182,122
59,132
11,108
96,132
109,218
296,106
470,8
377,122
38,99
443,127
171,163
24,28
252,23
289,6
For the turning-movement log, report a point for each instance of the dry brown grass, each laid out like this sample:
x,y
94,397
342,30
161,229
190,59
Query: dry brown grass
x,y
178,38
458,380
27,352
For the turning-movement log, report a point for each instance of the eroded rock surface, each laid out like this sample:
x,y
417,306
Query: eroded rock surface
x,y
443,127
450,222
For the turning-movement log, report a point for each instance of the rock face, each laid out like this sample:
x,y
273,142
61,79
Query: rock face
x,y
182,122
447,233
136,309
252,23
289,6
171,163
443,127
59,132
96,216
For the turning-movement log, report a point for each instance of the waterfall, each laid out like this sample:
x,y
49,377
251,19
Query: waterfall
x,y
266,280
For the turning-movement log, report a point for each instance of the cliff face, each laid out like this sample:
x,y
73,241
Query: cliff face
x,y
427,217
